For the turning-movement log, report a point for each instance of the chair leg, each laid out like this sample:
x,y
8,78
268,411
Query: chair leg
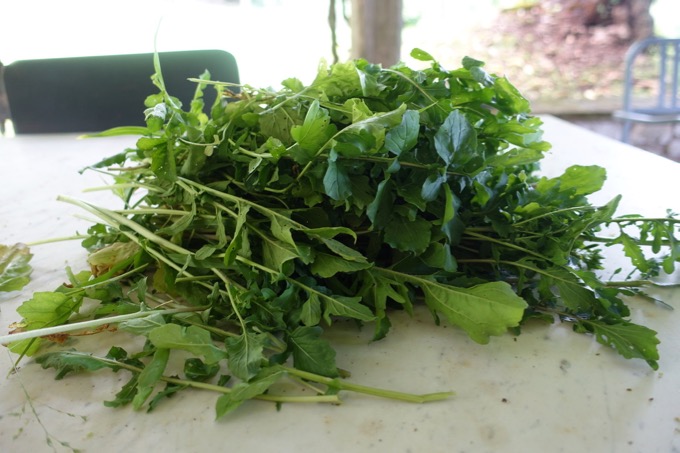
x,y
625,136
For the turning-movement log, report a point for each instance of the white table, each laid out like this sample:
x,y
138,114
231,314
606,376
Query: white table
x,y
548,390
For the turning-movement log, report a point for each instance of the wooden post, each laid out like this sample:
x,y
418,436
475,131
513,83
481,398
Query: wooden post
x,y
640,19
376,30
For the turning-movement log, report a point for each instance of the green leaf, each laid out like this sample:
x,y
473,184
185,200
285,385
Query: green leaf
x,y
44,309
483,310
577,179
110,161
197,370
572,292
370,86
482,194
244,354
310,315
470,63
276,125
377,291
14,268
163,162
275,254
193,339
515,157
336,181
633,251
408,236
293,84
126,394
405,136
384,289
334,305
142,326
281,229
508,98
149,143
348,307
237,237
312,353
329,232
327,266
452,225
342,81
421,55
432,186
439,255
244,391
167,392
478,73
150,376
456,139
118,131
180,224
355,143
379,211
65,362
344,251
377,122
628,339
316,130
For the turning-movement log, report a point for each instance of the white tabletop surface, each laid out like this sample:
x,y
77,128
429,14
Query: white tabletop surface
x,y
547,390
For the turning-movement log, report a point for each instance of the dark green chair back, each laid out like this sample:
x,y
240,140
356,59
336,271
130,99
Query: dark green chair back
x,y
91,94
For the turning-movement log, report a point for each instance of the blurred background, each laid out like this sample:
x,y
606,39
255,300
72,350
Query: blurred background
x,y
565,56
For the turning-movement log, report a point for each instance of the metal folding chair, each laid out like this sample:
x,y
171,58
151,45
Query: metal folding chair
x,y
665,105
91,94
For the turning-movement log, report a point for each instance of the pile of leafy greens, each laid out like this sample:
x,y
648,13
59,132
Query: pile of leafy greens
x,y
244,233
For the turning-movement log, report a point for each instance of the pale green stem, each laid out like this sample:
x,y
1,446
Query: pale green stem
x,y
53,240
234,199
118,220
220,389
46,331
482,237
556,212
127,185
151,211
229,285
624,219
382,393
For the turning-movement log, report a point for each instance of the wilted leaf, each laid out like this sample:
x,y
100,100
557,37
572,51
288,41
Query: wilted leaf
x,y
14,268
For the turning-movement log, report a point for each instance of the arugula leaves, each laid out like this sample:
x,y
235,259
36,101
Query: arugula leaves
x,y
14,268
370,190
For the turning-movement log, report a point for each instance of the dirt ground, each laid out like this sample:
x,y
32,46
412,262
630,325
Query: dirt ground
x,y
571,67
550,52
